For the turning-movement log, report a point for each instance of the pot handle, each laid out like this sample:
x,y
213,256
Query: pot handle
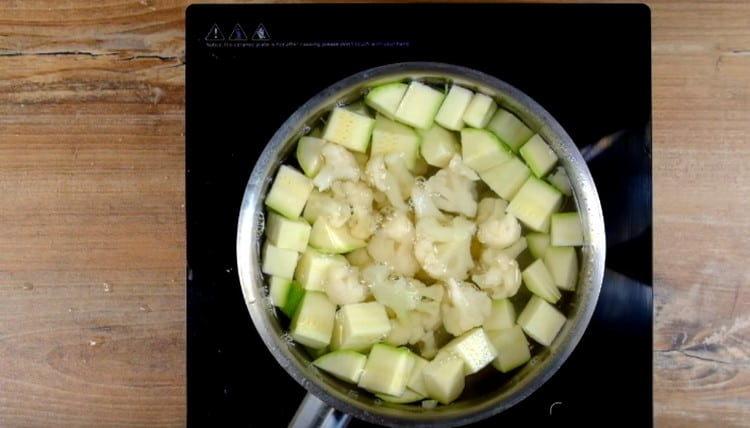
x,y
314,413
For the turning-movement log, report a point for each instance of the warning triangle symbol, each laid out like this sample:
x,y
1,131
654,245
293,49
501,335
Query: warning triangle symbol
x,y
261,33
238,34
215,34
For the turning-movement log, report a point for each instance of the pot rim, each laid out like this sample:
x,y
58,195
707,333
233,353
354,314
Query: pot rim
x,y
251,222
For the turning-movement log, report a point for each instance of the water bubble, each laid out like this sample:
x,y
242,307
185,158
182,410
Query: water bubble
x,y
261,227
286,337
268,303
353,393
378,402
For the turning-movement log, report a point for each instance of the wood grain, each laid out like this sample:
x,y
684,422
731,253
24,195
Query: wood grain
x,y
92,305
701,132
92,309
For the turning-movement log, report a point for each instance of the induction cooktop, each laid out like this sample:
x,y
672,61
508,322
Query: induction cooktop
x,y
250,66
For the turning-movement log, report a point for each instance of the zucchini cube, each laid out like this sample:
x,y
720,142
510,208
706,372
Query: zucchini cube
x,y
387,370
562,263
512,348
278,261
509,129
559,179
481,150
289,192
287,234
392,137
419,105
505,179
408,396
538,155
438,146
362,325
539,281
444,379
416,380
566,230
538,244
330,239
312,269
479,111
349,129
541,321
293,297
502,316
344,365
312,323
278,290
451,113
309,155
534,204
473,348
385,98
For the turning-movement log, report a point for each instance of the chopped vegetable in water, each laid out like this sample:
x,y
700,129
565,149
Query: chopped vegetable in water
x,y
399,246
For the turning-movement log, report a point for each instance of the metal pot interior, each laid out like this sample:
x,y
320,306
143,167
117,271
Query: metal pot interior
x,y
481,399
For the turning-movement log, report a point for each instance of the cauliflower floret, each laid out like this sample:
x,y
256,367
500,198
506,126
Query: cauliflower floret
x,y
390,175
397,166
323,204
499,232
497,274
422,202
444,251
359,257
393,244
343,286
465,307
406,329
514,250
458,166
428,345
490,208
363,219
429,306
338,164
453,189
374,274
418,324
398,294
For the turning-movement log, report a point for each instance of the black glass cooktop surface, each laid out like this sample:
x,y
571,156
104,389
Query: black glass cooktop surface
x,y
250,66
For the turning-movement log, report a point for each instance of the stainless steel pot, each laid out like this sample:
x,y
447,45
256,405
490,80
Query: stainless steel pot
x,y
346,398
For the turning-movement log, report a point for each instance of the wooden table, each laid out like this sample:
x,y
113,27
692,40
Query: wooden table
x,y
92,292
